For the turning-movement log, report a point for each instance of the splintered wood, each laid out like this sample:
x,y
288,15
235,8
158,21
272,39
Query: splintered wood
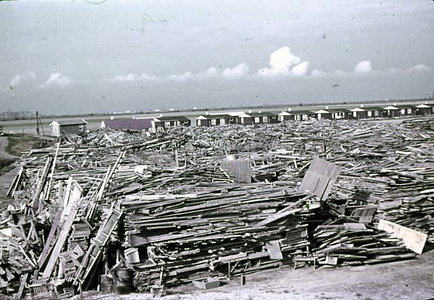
x,y
204,204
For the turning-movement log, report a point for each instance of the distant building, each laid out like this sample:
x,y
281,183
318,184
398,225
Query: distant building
x,y
323,114
358,113
258,118
167,122
59,128
214,120
423,110
128,124
285,116
391,111
407,110
374,112
303,115
340,113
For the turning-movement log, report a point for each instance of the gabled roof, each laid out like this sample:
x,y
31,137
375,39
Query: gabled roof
x,y
358,109
131,124
285,113
390,107
423,106
68,123
322,111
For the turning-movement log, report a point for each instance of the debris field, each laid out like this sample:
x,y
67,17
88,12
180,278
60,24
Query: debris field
x,y
142,212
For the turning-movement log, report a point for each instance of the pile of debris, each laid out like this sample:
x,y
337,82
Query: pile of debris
x,y
174,207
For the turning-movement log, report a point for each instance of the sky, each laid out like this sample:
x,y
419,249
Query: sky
x,y
95,56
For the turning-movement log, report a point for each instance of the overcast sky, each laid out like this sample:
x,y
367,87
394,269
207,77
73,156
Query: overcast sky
x,y
79,57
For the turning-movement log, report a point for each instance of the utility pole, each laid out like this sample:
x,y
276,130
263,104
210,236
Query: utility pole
x,y
39,124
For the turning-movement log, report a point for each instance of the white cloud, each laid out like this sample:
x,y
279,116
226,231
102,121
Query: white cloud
x,y
300,69
236,72
281,62
56,79
419,68
318,73
135,77
211,72
282,59
363,67
180,77
17,79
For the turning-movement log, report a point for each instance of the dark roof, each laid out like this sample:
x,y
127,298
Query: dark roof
x,y
406,106
174,118
335,110
131,124
263,113
372,108
221,116
301,112
71,123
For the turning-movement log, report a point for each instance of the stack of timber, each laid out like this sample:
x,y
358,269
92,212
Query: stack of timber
x,y
217,231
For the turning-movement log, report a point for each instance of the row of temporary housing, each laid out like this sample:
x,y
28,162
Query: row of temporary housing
x,y
360,112
249,118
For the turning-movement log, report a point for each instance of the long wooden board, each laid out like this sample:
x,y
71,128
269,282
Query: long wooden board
x,y
414,240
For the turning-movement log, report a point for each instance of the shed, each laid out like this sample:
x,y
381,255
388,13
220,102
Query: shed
x,y
59,128
128,124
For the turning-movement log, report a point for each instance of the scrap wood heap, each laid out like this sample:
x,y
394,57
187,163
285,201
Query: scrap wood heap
x,y
163,202
223,230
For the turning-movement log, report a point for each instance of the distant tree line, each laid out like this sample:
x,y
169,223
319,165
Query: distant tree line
x,y
16,115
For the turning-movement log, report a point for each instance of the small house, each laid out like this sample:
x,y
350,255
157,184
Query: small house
x,y
406,110
258,118
423,110
214,120
391,111
167,122
323,114
285,116
374,112
128,124
302,115
340,113
59,128
359,113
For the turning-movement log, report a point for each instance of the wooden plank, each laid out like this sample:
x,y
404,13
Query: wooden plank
x,y
48,242
75,198
320,178
414,240
273,249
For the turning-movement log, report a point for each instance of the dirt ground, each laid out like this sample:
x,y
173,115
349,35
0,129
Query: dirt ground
x,y
411,279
